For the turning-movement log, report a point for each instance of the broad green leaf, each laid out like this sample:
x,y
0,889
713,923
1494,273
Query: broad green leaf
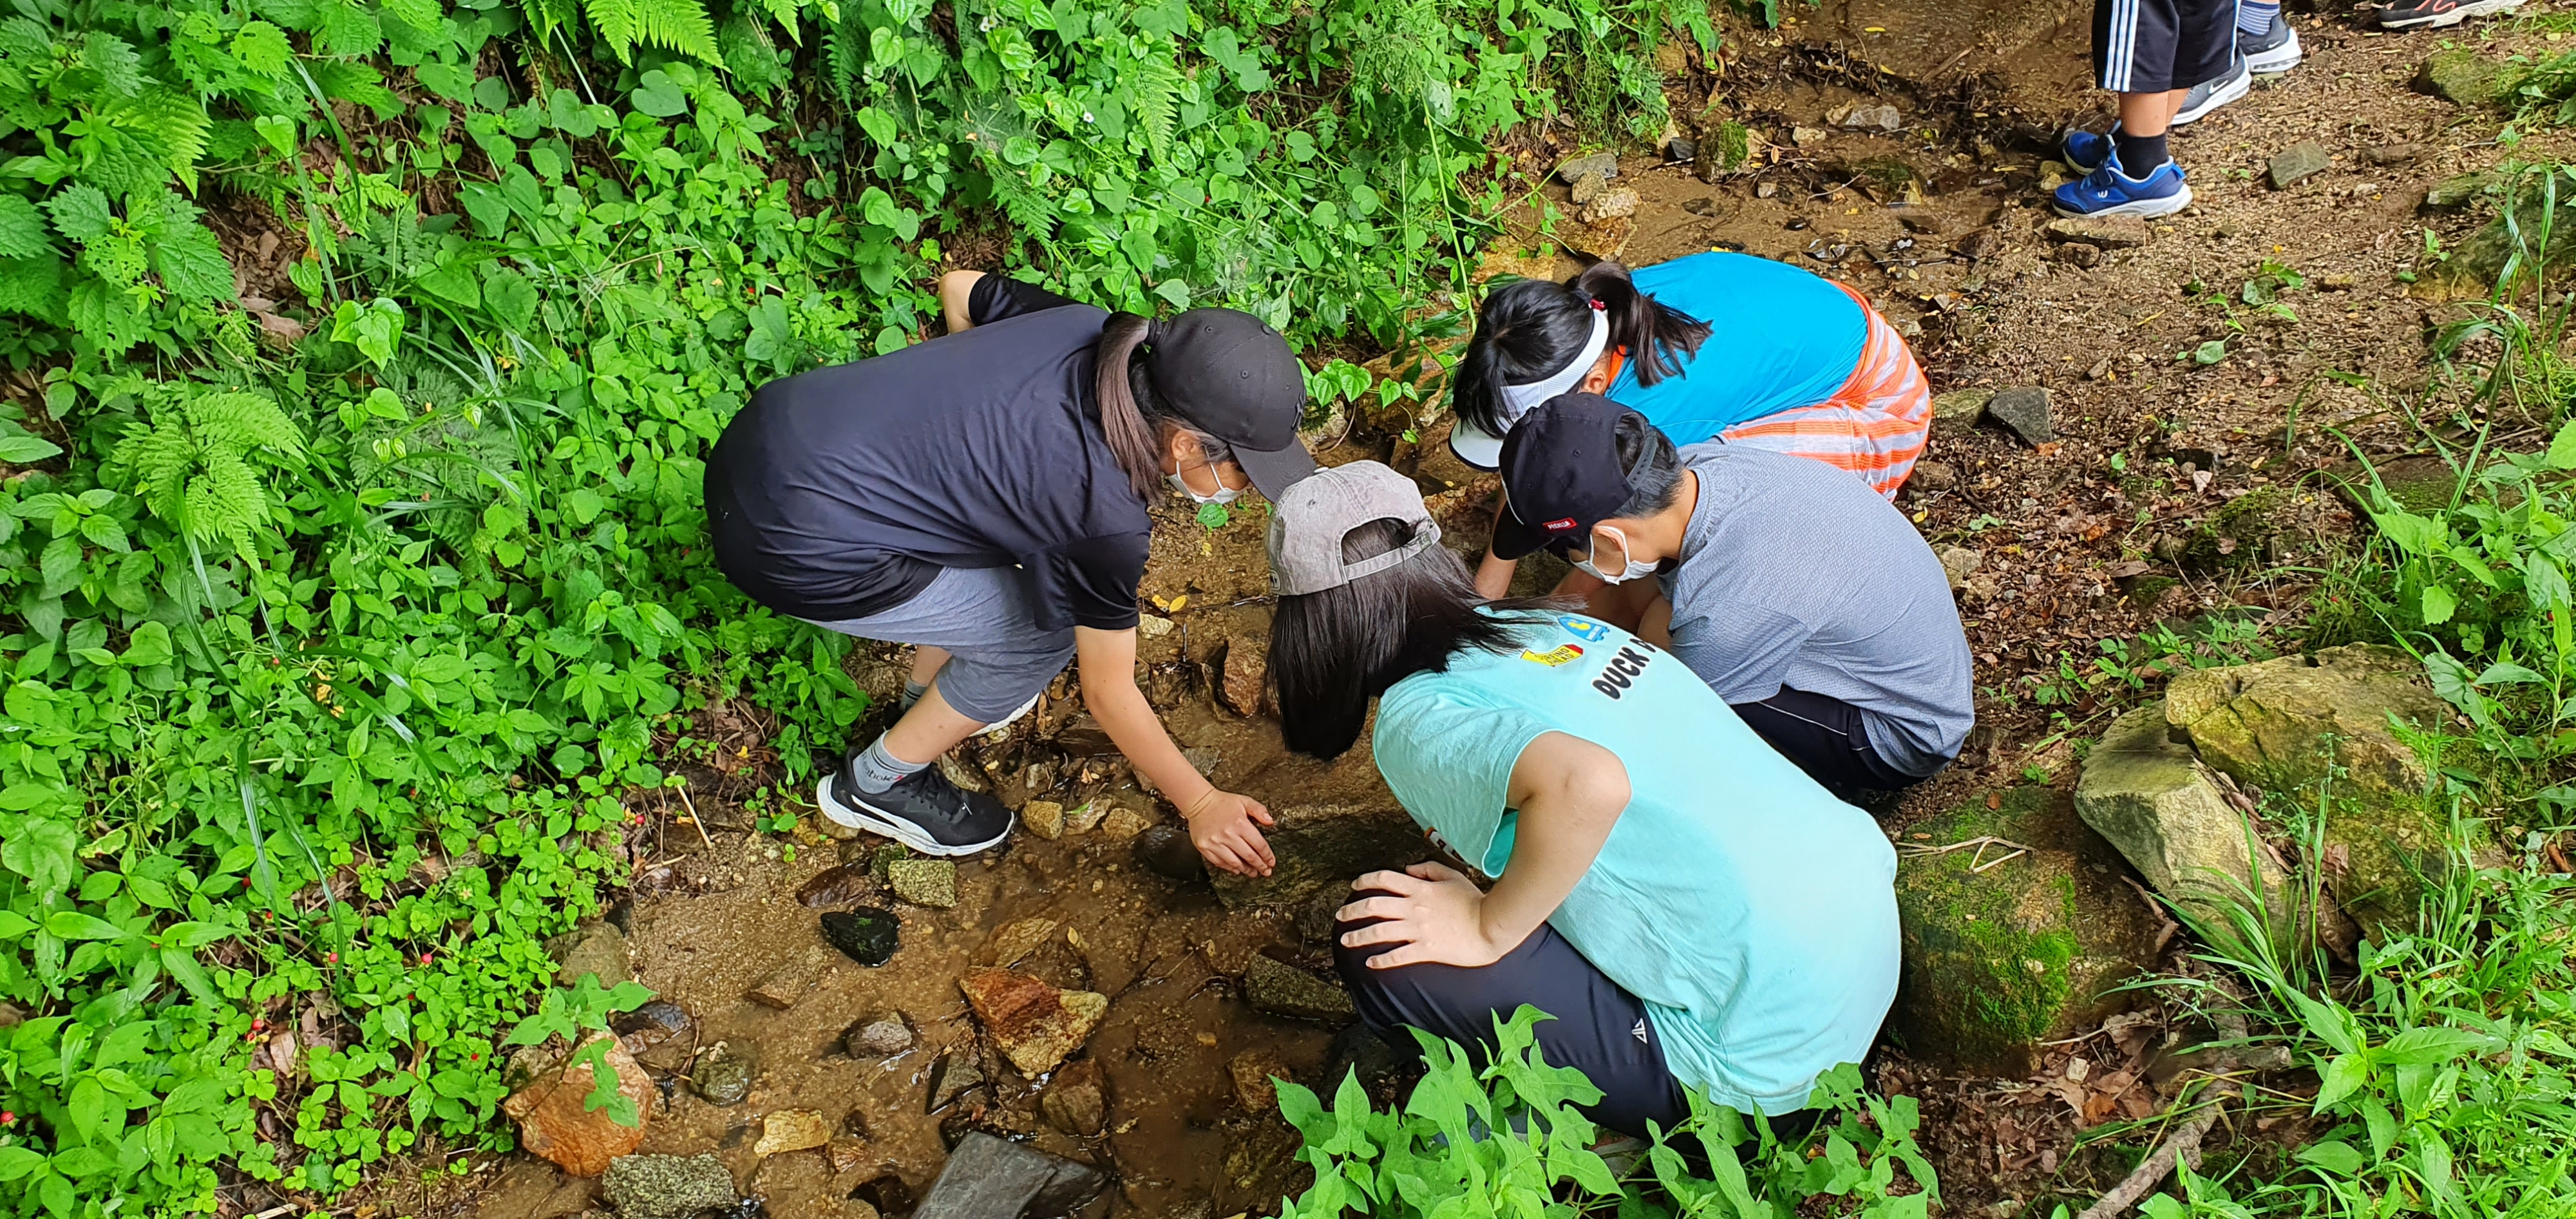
x,y
2343,1076
2562,447
2438,605
19,446
2333,1157
74,925
42,851
2431,1046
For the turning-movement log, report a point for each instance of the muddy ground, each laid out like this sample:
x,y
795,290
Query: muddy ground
x,y
2176,493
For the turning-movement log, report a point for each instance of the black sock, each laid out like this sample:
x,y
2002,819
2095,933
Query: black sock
x,y
2139,154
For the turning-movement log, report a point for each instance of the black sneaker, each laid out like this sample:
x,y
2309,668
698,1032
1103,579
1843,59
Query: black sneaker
x,y
2209,95
925,812
2419,14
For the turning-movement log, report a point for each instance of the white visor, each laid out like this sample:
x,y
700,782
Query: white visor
x,y
1481,449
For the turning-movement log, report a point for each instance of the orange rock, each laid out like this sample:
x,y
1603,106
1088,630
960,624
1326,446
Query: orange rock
x,y
553,1124
1035,1025
1247,674
1253,1070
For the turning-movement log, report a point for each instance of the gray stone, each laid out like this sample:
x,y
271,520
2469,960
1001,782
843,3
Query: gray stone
x,y
592,948
878,1036
723,1074
1587,188
2149,796
2300,161
2108,232
1167,851
1681,149
923,882
957,1073
2460,190
1323,846
1596,165
1869,118
990,1178
1960,408
666,1187
1959,563
1610,205
1809,137
2394,154
2461,76
2024,409
1285,990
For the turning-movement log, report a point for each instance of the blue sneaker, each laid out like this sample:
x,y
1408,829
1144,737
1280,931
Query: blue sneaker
x,y
2086,150
2108,191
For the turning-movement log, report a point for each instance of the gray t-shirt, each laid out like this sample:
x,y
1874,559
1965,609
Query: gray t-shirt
x,y
1794,573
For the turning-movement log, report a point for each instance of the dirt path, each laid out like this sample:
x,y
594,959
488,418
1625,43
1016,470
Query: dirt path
x,y
2175,492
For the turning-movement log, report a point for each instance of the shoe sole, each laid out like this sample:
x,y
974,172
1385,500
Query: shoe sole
x,y
2147,209
861,817
2220,96
2477,8
2277,60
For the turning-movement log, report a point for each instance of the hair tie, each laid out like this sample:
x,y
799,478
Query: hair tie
x,y
1599,305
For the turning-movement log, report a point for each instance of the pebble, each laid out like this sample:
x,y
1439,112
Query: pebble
x,y
1808,137
867,935
837,886
2393,154
1959,563
955,1074
1681,149
792,1130
1599,164
1085,818
1166,851
2299,161
2080,254
1247,674
1045,818
1074,1102
1869,118
1152,626
1123,823
924,882
2024,409
1982,244
1610,205
1587,188
1764,190
1930,477
881,1035
845,1154
723,1073
1961,407
666,1187
597,948
788,983
1034,1025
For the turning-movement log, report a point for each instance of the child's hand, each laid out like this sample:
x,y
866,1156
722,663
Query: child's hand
x,y
1222,828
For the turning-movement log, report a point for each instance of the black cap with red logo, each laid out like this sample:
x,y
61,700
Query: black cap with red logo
x,y
1561,475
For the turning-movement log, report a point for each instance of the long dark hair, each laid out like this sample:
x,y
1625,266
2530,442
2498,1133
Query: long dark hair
x,y
1132,417
1334,650
1530,328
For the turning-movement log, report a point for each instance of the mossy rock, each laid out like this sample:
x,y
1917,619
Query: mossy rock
x,y
2239,531
2029,950
1724,148
2382,856
2462,77
2285,724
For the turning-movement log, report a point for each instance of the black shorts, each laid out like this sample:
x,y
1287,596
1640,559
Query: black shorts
x,y
1826,738
2153,46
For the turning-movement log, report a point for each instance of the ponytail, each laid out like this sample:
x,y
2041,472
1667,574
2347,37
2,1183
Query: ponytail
x,y
1658,337
1125,421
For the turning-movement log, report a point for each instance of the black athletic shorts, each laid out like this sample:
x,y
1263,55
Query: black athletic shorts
x,y
2152,46
1826,738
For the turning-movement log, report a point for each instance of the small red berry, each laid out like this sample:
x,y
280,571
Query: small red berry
x,y
257,1023
245,882
330,958
7,1118
424,958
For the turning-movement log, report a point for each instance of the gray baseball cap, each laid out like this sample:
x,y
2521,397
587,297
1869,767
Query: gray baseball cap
x,y
1308,520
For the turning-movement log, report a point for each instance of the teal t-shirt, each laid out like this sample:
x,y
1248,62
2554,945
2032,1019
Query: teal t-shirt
x,y
1778,337
1752,912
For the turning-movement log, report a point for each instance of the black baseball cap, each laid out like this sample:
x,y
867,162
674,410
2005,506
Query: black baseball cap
x,y
1231,375
1561,474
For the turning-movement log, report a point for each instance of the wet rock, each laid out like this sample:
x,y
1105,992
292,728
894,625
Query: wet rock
x,y
789,982
924,882
1982,244
957,1073
2108,232
1045,818
2023,409
1285,990
1085,817
844,1154
1587,188
1014,940
1247,674
1610,205
2298,162
2282,724
1033,1024
595,948
1166,850
1933,476
1323,846
666,1187
886,1192
2394,154
2080,254
990,1178
2460,190
659,1034
1203,759
792,1130
555,1125
1596,165
1681,150
867,935
1074,1102
1254,1073
836,887
723,1074
1960,408
1959,563
2006,951
1864,117
2461,76
1123,823
880,1035
2152,800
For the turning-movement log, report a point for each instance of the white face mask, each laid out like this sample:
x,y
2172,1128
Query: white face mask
x,y
1633,571
1224,494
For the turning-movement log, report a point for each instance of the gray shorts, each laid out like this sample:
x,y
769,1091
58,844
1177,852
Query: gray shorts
x,y
986,619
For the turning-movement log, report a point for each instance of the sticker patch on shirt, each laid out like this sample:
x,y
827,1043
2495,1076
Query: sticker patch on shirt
x,y
1583,628
1559,655
1622,670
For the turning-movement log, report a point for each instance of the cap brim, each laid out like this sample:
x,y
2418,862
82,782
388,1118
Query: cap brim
x,y
1277,470
1475,446
1514,540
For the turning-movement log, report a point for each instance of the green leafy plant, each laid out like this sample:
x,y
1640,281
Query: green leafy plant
x,y
574,1014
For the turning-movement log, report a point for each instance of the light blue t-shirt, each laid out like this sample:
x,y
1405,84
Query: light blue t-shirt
x,y
1778,337
1752,912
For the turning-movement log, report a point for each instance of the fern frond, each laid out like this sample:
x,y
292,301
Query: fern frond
x,y
678,25
549,15
161,458
617,22
1155,89
225,500
236,424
